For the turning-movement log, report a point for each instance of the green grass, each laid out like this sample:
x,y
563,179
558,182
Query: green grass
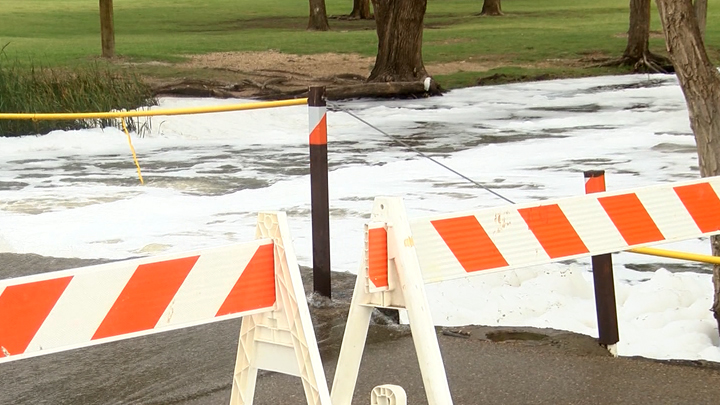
x,y
65,33
87,88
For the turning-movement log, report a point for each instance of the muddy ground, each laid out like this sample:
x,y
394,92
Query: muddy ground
x,y
272,74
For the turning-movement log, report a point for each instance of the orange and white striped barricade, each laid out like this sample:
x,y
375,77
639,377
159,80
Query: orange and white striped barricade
x,y
403,255
258,281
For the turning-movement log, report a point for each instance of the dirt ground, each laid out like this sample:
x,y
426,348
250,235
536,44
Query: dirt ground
x,y
272,74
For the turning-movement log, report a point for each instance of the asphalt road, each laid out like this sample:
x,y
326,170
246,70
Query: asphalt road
x,y
195,366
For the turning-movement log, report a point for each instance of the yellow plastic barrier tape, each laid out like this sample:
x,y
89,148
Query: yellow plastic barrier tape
x,y
677,255
152,113
132,149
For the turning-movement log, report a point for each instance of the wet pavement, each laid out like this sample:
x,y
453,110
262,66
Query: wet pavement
x,y
484,365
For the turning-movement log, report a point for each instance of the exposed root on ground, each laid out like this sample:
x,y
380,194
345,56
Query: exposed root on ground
x,y
339,87
350,17
648,63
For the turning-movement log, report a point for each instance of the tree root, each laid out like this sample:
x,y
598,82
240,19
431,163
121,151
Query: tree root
x,y
648,63
350,17
279,87
192,88
384,90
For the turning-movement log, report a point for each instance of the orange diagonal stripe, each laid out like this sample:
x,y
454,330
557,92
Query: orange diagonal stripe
x,y
470,244
24,308
318,136
703,204
631,219
145,297
554,232
595,184
255,288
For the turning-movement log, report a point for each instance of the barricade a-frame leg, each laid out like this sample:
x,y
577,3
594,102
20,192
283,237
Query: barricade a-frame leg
x,y
282,340
390,277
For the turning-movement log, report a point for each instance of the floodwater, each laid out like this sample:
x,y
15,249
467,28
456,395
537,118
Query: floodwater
x,y
206,175
76,195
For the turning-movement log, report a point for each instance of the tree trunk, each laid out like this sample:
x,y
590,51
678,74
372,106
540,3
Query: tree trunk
x,y
318,16
361,10
399,31
637,53
491,7
638,44
701,13
700,83
107,29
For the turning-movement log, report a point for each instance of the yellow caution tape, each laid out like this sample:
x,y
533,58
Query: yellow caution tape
x,y
126,114
152,113
132,149
677,255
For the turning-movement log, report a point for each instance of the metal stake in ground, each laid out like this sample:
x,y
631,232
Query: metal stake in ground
x,y
319,191
603,279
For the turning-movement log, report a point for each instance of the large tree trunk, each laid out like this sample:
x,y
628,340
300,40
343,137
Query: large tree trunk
x,y
701,13
318,16
399,30
491,7
637,53
361,10
700,82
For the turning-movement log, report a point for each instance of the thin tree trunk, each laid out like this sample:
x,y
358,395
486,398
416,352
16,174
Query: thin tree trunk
x,y
701,13
361,10
700,83
491,7
318,16
399,30
107,29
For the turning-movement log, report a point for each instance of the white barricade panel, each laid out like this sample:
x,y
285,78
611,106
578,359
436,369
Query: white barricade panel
x,y
496,239
69,309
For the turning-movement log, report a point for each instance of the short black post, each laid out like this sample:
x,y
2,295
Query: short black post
x,y
603,279
319,199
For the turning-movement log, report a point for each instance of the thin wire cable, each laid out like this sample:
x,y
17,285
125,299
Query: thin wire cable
x,y
419,152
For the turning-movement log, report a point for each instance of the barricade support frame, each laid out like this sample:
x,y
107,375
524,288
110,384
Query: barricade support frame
x,y
408,292
286,331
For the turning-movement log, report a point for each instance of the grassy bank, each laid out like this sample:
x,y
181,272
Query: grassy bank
x,y
87,88
532,39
